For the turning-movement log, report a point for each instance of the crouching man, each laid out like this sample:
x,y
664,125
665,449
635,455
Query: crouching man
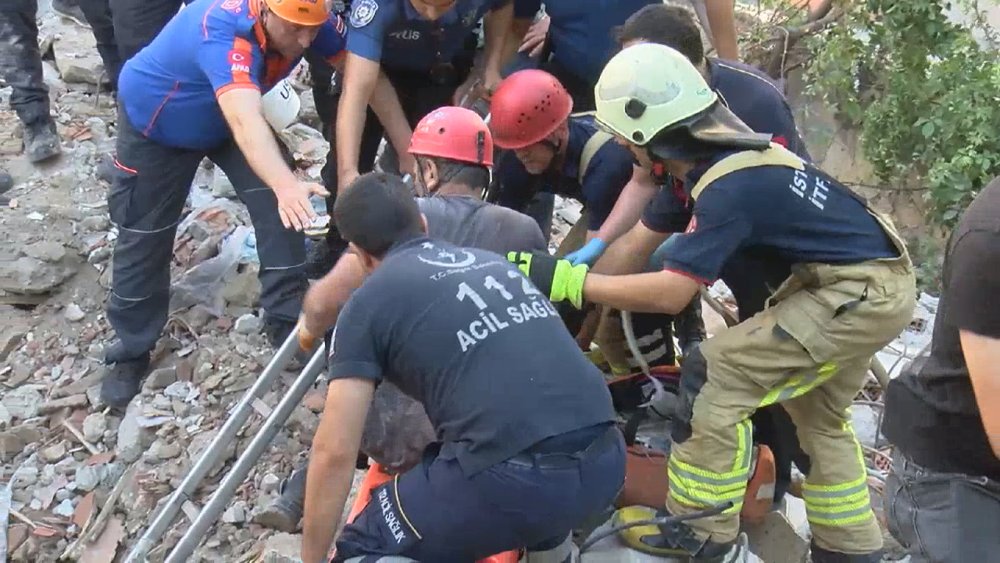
x,y
528,444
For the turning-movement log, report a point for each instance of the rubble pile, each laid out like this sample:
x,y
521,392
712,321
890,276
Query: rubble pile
x,y
84,481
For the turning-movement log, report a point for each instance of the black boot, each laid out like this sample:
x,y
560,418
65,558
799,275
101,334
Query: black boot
x,y
41,142
285,513
123,379
820,555
690,327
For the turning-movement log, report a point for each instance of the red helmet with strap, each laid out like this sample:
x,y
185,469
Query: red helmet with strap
x,y
527,107
454,133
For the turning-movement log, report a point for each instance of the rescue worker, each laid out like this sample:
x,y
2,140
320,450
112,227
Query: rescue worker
x,y
454,152
195,92
548,149
849,291
21,65
527,452
426,49
573,40
943,492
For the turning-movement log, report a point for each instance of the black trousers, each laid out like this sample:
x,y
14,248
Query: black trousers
x,y
98,14
146,201
138,22
21,62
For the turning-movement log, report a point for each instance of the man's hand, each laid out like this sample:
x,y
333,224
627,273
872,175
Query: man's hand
x,y
534,40
293,203
558,279
307,336
589,253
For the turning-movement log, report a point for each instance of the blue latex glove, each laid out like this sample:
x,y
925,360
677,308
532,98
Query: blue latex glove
x,y
589,253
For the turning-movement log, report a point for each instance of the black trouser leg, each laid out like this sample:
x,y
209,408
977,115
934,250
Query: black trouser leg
x,y
21,62
138,22
322,88
98,14
580,90
282,251
146,199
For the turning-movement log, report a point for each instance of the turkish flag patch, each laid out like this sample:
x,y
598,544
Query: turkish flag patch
x,y
238,57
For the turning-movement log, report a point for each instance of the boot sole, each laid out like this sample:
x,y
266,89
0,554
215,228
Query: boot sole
x,y
276,520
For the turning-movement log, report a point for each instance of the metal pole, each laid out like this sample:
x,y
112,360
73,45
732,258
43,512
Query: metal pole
x,y
209,515
214,451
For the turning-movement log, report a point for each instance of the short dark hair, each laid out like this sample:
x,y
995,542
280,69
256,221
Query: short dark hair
x,y
457,172
377,212
672,26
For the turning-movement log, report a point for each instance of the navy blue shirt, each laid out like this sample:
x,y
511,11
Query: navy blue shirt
x,y
580,30
394,33
757,101
606,175
462,331
791,215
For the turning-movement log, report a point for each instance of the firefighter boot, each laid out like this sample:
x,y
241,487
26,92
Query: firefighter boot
x,y
41,142
123,379
675,539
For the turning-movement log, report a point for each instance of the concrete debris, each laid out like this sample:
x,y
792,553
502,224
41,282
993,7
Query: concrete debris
x,y
88,477
23,402
160,378
64,509
71,402
74,313
133,439
94,426
52,454
47,251
269,483
221,186
31,276
235,514
248,324
76,56
95,223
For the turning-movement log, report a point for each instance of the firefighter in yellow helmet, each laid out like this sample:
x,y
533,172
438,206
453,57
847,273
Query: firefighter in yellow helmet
x,y
844,288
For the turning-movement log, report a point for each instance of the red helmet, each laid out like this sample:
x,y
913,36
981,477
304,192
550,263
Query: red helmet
x,y
454,133
527,107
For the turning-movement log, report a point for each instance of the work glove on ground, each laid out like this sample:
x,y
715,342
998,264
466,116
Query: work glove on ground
x,y
588,253
557,278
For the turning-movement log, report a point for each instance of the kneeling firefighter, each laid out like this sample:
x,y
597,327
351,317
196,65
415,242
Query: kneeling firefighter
x,y
849,289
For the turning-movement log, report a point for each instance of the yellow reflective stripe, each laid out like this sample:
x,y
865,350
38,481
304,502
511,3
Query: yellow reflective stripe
x,y
837,500
682,498
832,510
709,476
844,519
744,435
841,487
800,385
717,484
834,497
715,492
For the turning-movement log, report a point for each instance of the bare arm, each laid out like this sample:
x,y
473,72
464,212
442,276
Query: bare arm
x,y
630,253
325,299
722,20
636,195
243,112
360,78
496,24
331,463
515,35
656,292
386,105
982,357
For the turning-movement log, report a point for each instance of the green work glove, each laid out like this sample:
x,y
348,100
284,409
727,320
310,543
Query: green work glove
x,y
558,279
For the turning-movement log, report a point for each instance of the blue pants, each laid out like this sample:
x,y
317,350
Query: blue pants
x,y
434,512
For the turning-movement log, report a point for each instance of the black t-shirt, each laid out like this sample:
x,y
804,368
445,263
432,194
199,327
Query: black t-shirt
x,y
465,333
931,413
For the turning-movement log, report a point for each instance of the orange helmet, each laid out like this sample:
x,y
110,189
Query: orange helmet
x,y
527,107
454,133
302,12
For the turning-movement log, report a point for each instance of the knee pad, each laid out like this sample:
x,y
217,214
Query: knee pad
x,y
694,374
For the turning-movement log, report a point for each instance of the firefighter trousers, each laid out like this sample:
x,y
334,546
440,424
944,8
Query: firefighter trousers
x,y
810,351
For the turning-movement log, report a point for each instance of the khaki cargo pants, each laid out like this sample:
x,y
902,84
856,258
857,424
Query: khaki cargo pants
x,y
810,351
